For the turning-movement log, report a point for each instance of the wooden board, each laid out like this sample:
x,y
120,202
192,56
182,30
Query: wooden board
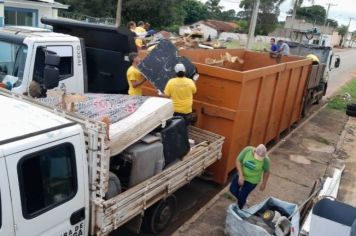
x,y
158,66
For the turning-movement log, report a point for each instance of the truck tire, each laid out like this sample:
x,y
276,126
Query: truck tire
x,y
351,113
114,186
158,217
351,107
307,103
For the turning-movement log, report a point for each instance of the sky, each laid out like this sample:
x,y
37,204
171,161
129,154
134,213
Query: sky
x,y
342,12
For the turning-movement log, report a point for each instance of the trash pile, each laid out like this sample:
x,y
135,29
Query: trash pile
x,y
223,59
270,217
193,40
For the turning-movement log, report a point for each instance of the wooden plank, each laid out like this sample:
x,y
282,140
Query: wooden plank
x,y
117,211
257,105
272,107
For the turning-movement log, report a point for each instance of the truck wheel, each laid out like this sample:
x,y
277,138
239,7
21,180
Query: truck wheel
x,y
351,107
158,217
307,104
351,113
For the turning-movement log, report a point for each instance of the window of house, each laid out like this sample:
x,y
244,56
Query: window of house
x,y
21,16
47,179
65,66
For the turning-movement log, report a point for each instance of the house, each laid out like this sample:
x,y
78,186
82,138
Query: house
x,y
210,28
28,12
1,13
325,36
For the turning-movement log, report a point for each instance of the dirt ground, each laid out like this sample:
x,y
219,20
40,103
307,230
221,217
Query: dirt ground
x,y
296,163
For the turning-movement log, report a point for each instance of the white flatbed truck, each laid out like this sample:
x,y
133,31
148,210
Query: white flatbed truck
x,y
54,173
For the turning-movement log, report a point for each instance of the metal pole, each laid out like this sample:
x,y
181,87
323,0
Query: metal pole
x,y
327,15
251,31
118,13
294,13
347,32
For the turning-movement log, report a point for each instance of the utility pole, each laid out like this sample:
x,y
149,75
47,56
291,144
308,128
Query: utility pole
x,y
347,31
294,13
118,13
327,14
251,31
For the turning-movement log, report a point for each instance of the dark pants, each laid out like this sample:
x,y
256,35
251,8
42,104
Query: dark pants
x,y
241,193
188,118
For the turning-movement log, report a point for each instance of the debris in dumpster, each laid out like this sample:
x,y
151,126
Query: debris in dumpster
x,y
223,58
264,219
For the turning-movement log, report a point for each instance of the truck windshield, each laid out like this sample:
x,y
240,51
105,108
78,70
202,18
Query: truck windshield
x,y
12,63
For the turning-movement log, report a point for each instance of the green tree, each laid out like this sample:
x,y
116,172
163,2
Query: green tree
x,y
243,26
314,14
267,19
332,23
194,11
214,8
158,13
90,7
228,15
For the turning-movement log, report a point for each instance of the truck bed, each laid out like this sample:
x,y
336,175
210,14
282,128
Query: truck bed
x,y
115,212
108,215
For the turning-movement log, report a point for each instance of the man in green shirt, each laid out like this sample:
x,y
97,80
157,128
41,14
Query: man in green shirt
x,y
252,165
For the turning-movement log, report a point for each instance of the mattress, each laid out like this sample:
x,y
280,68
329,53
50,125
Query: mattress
x,y
153,112
131,117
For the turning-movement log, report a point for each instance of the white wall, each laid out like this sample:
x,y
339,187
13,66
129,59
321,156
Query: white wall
x,y
207,30
183,30
302,25
1,13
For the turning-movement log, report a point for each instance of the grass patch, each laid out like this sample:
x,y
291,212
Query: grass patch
x,y
228,196
339,101
322,140
233,44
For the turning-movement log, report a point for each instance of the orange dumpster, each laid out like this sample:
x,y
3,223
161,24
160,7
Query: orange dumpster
x,y
248,103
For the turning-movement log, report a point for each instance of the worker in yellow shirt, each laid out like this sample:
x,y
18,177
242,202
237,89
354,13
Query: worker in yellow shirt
x,y
181,89
134,76
140,32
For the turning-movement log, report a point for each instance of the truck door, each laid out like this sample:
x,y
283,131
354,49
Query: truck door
x,y
70,71
6,218
47,185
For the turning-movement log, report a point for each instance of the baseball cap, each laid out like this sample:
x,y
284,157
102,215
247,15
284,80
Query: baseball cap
x,y
179,67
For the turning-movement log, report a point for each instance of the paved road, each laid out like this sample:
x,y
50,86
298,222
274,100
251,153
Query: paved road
x,y
344,73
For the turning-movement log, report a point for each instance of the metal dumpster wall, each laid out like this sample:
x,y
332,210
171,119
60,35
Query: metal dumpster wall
x,y
247,107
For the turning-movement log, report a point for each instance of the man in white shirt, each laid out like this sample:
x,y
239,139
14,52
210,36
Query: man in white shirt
x,y
283,48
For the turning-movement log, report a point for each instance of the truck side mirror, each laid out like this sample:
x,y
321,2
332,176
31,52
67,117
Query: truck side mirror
x,y
337,62
51,71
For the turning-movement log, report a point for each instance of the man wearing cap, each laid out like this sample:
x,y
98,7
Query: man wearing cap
x,y
181,89
252,165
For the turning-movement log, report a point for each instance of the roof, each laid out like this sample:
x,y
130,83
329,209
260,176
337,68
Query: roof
x,y
19,33
19,118
220,25
46,3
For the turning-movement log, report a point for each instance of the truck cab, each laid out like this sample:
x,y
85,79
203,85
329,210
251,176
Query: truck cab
x,y
23,56
43,173
92,58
